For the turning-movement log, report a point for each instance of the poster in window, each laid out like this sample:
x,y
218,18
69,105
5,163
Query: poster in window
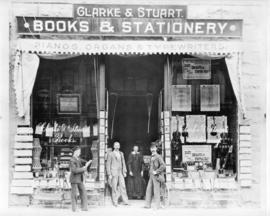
x,y
68,104
215,126
181,98
195,68
210,98
197,153
196,128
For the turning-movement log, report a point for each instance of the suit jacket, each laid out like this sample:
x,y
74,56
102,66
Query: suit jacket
x,y
77,170
114,165
157,164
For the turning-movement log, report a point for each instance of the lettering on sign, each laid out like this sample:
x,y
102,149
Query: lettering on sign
x,y
130,20
130,11
153,27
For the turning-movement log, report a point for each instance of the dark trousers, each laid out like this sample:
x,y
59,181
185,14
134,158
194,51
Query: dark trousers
x,y
153,188
83,196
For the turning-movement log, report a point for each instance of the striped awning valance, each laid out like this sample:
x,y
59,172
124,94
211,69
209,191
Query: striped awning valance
x,y
95,47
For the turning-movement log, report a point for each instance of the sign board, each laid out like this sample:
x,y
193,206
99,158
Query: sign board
x,y
181,98
210,98
195,68
130,20
129,27
130,11
198,153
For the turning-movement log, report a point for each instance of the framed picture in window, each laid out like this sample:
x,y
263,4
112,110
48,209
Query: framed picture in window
x,y
210,98
181,98
69,104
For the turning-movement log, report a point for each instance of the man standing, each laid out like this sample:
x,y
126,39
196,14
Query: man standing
x,y
76,179
156,173
116,169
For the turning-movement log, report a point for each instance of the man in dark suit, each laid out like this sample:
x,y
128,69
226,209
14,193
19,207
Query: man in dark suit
x,y
156,173
76,179
117,171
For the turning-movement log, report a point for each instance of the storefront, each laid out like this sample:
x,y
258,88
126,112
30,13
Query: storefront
x,y
97,75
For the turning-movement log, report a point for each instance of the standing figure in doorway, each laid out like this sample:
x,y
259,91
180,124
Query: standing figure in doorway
x,y
156,172
116,169
76,179
136,183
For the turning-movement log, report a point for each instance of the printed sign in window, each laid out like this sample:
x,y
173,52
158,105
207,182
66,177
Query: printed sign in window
x,y
197,153
194,68
181,98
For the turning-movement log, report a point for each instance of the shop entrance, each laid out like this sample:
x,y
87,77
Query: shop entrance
x,y
134,84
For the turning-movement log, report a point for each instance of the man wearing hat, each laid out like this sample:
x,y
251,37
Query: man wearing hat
x,y
156,173
76,179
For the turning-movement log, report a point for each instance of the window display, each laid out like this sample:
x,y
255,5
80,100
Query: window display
x,y
204,137
70,119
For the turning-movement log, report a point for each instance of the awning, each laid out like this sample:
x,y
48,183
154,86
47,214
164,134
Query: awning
x,y
40,46
29,51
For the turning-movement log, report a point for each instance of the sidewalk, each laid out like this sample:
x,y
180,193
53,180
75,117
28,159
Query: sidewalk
x,y
131,210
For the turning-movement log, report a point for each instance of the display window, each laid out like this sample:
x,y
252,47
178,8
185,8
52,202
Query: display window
x,y
64,115
204,117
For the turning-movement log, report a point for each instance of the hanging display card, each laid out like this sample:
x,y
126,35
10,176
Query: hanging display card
x,y
195,68
181,98
196,128
49,132
181,123
210,98
198,153
86,131
95,130
215,126
39,129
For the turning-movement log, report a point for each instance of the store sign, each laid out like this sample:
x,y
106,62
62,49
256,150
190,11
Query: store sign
x,y
130,11
115,20
194,68
197,153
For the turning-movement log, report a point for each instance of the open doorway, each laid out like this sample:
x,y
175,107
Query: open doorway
x,y
134,84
